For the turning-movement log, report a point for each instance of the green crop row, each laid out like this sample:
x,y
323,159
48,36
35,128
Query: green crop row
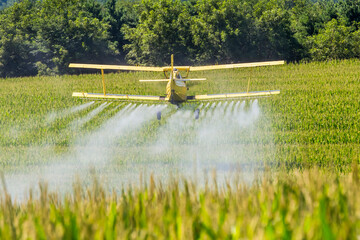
x,y
314,121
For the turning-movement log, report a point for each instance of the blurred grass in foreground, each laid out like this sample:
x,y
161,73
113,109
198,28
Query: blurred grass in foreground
x,y
310,204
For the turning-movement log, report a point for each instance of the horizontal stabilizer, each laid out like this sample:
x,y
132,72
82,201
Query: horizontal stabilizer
x,y
179,68
193,79
155,80
166,80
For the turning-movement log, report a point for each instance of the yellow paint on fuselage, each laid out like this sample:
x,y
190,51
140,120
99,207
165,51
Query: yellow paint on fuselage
x,y
176,90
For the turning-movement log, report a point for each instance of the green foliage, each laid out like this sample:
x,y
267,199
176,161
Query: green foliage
x,y
6,3
350,10
335,41
117,14
15,45
275,39
163,30
42,37
70,31
221,31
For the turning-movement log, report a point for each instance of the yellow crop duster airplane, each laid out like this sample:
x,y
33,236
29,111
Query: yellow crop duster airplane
x,y
176,90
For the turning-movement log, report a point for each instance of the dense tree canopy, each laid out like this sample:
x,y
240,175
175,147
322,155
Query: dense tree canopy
x,y
43,36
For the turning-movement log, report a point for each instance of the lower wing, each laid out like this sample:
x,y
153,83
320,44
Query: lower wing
x,y
118,96
233,95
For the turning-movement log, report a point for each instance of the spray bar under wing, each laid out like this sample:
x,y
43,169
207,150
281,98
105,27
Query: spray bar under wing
x,y
234,95
118,96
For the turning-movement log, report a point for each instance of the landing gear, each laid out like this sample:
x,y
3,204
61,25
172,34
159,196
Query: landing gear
x,y
158,115
197,113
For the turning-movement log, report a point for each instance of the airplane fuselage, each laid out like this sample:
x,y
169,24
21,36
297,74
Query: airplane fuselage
x,y
176,90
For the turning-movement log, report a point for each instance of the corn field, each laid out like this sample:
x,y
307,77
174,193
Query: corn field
x,y
301,149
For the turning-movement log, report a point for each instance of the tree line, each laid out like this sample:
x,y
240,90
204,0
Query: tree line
x,y
41,37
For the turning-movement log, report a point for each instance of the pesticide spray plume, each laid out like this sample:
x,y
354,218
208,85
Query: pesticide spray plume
x,y
53,116
92,151
132,143
221,140
78,123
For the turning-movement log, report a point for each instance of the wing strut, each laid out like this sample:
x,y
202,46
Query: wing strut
x,y
103,81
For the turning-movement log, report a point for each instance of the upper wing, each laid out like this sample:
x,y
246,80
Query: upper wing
x,y
181,68
237,65
116,67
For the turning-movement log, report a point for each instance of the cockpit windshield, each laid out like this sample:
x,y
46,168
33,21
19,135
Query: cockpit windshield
x,y
177,78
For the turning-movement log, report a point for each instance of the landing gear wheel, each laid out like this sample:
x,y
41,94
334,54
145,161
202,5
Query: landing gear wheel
x,y
158,115
197,113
